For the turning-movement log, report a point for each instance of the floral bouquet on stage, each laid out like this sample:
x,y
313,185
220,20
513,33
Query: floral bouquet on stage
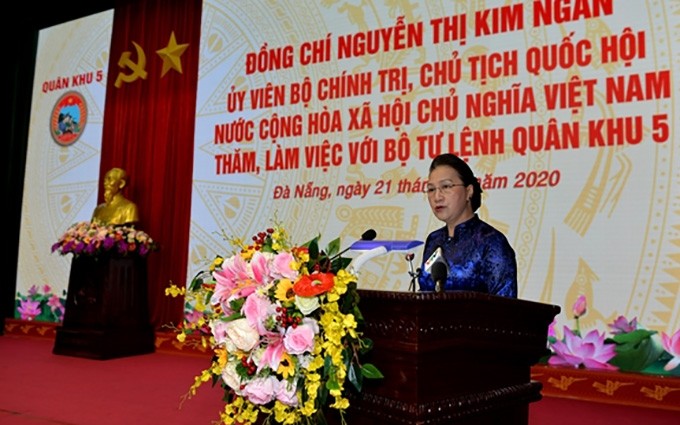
x,y
93,239
284,324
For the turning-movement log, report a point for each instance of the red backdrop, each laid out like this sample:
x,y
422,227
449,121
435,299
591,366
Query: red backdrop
x,y
149,129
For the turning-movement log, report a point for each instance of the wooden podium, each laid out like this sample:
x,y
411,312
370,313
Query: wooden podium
x,y
107,313
450,358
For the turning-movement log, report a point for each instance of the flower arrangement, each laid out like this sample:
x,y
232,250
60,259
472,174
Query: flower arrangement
x,y
628,348
284,325
93,239
40,305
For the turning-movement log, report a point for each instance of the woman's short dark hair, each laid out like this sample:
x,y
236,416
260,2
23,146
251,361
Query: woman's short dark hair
x,y
465,173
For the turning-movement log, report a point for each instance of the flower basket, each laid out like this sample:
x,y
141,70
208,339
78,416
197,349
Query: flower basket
x,y
284,324
95,239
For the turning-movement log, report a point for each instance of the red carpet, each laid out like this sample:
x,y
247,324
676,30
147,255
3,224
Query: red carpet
x,y
40,388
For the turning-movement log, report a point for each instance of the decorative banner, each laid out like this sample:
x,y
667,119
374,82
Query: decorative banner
x,y
62,159
327,115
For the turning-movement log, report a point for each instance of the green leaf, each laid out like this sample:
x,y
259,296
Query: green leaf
x,y
634,337
313,247
197,281
237,304
366,345
322,395
339,263
333,247
232,316
357,315
355,378
327,365
332,384
349,301
368,370
635,350
657,367
267,247
320,418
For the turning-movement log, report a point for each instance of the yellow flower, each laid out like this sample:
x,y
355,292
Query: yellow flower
x,y
248,253
285,414
221,355
217,262
174,291
342,279
341,403
284,291
286,366
350,324
317,362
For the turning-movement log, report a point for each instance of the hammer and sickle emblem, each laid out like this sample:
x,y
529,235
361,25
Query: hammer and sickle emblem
x,y
137,68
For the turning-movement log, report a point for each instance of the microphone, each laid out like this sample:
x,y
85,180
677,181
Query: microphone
x,y
437,266
368,235
411,272
440,271
409,257
437,256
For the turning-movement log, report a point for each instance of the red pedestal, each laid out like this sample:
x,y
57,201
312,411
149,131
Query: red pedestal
x,y
107,313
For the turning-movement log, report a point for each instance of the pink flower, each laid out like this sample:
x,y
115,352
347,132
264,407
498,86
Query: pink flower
x,y
232,282
551,329
622,326
672,345
287,394
261,390
193,316
28,309
281,266
257,309
54,303
218,329
580,306
272,354
300,339
259,265
590,352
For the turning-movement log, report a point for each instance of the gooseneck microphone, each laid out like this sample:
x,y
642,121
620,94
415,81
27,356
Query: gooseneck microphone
x,y
409,257
439,273
368,235
411,272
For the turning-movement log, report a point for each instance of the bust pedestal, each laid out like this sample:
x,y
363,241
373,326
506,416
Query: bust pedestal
x,y
107,314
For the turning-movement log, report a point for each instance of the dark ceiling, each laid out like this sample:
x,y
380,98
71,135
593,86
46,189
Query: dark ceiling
x,y
35,16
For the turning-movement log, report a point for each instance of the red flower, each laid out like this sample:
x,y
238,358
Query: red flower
x,y
299,251
313,284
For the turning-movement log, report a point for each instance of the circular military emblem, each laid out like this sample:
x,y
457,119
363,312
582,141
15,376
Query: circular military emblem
x,y
68,118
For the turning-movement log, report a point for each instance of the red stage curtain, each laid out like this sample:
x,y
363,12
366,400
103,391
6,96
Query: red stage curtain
x,y
149,130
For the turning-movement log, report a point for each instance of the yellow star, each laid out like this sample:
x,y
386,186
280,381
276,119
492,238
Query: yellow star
x,y
170,55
